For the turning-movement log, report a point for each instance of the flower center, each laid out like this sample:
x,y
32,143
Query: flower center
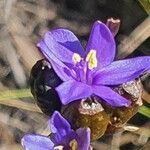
x,y
83,67
90,59
73,145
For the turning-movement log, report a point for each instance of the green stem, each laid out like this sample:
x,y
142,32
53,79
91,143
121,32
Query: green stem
x,y
145,111
15,94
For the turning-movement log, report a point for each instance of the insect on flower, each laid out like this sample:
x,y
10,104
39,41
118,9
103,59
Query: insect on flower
x,y
61,138
92,71
43,81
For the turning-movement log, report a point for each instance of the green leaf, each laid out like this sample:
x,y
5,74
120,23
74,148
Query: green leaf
x,y
15,94
146,5
145,111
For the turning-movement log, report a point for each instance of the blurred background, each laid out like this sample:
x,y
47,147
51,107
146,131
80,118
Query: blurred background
x,y
24,22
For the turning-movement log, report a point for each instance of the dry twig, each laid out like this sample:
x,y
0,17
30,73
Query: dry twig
x,y
136,38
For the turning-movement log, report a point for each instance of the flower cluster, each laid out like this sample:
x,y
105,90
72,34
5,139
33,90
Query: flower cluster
x,y
84,73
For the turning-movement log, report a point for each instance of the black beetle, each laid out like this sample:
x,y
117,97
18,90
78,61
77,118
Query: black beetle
x,y
43,81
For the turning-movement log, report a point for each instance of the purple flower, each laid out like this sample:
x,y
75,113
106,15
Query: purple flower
x,y
62,136
93,71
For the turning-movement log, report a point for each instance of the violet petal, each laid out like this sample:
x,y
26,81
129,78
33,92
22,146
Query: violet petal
x,y
72,90
111,97
58,124
63,43
60,68
61,130
83,138
122,71
36,142
102,40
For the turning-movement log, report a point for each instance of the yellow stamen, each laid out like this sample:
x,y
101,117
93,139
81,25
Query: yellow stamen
x,y
73,145
76,58
91,59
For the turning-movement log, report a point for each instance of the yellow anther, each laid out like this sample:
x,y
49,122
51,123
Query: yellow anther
x,y
91,59
76,58
73,145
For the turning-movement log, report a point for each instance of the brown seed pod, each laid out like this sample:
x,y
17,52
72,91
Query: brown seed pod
x,y
119,116
87,113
